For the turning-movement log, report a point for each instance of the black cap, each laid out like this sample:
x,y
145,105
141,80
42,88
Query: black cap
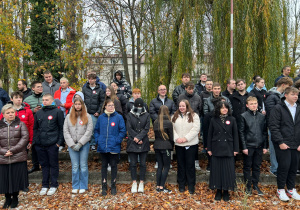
x,y
138,102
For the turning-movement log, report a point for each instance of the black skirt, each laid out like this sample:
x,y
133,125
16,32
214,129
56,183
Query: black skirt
x,y
13,177
222,173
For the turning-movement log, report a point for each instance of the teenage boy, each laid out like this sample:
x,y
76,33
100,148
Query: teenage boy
x,y
253,134
47,137
231,85
101,84
22,86
284,125
200,86
50,85
185,78
136,93
193,98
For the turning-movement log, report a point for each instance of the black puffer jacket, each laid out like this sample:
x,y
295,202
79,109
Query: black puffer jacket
x,y
124,87
177,92
48,126
93,99
199,87
156,103
194,100
282,126
272,98
253,130
123,100
261,97
138,127
160,142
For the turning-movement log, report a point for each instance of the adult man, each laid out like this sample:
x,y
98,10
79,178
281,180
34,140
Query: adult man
x,y
286,70
216,92
65,94
298,76
47,137
161,99
200,86
284,125
35,102
93,98
185,78
123,86
101,84
273,97
136,93
193,98
231,85
4,98
253,83
22,86
239,99
50,85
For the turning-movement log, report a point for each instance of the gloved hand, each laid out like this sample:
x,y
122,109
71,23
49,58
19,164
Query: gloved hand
x,y
76,147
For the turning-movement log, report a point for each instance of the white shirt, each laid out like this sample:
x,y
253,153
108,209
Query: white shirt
x,y
292,109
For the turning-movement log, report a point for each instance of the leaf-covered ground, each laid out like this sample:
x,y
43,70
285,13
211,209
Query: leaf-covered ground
x,y
202,199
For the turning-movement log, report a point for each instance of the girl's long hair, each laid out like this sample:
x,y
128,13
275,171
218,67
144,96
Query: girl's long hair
x,y
75,114
163,111
188,110
113,95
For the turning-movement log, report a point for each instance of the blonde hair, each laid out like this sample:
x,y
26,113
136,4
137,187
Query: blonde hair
x,y
7,107
0,83
64,79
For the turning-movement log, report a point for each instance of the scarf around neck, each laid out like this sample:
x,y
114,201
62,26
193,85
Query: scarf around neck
x,y
108,113
222,117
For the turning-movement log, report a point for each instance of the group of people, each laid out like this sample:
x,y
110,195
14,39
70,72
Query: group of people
x,y
99,117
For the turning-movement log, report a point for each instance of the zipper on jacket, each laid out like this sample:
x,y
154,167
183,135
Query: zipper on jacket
x,y
107,131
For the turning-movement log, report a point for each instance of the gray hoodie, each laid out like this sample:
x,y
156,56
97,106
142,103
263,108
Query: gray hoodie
x,y
54,87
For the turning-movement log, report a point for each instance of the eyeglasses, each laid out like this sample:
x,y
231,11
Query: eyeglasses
x,y
162,89
110,105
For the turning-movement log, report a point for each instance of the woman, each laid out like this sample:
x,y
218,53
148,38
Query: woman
x,y
163,145
110,94
78,129
222,146
186,126
109,133
260,94
138,125
13,156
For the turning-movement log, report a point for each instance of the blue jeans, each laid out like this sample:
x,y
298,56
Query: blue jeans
x,y
80,170
273,160
94,119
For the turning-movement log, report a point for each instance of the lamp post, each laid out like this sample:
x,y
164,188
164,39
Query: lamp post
x,y
231,41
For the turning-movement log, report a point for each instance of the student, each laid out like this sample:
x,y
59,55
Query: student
x,y
110,94
185,78
50,85
186,126
22,86
123,100
284,125
138,125
78,129
101,84
286,70
253,83
47,137
231,85
136,93
254,136
109,133
163,145
222,146
200,86
260,94
123,86
4,97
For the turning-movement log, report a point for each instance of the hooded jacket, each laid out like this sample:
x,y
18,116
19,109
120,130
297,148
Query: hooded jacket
x,y
138,127
123,86
48,126
69,99
194,100
34,100
13,137
93,99
78,93
4,98
109,133
54,87
101,84
155,105
272,98
26,116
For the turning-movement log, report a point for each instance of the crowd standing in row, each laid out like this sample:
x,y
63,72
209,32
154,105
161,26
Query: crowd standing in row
x,y
100,117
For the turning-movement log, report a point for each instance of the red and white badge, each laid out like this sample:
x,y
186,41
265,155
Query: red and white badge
x,y
80,122
94,91
17,126
23,116
227,122
113,124
50,117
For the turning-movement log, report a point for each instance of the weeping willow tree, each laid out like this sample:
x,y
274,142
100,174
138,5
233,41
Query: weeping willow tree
x,y
174,38
259,34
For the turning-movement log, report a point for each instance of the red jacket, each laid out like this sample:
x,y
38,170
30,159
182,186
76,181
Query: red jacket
x,y
26,116
69,102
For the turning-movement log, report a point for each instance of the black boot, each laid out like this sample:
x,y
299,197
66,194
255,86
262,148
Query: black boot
x,y
8,201
225,195
113,188
15,200
218,195
33,169
259,192
104,188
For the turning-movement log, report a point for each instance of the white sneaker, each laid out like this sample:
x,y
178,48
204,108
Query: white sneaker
x,y
282,195
51,191
108,168
156,165
134,187
293,194
171,166
60,148
75,191
43,191
197,167
81,191
141,187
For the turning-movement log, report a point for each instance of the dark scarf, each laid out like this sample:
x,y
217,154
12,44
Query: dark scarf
x,y
223,117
